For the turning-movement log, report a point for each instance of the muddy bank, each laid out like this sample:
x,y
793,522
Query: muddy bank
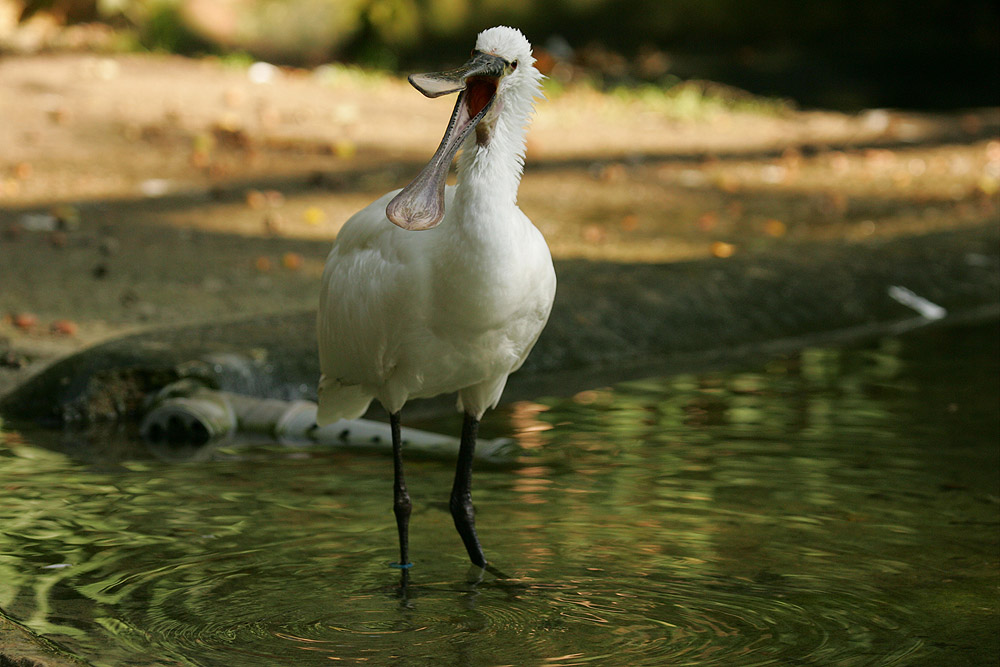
x,y
610,322
140,192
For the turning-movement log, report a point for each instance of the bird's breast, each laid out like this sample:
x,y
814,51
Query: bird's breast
x,y
486,281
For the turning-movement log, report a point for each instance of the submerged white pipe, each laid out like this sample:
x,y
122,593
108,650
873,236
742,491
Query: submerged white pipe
x,y
189,415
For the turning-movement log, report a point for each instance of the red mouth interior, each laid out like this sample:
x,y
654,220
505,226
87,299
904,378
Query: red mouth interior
x,y
479,90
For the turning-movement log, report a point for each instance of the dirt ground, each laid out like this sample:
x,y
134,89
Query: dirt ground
x,y
141,191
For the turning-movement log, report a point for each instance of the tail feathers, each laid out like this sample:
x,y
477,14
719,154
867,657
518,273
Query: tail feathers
x,y
337,401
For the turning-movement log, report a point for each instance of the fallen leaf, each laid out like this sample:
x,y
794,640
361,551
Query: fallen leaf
x,y
989,186
722,250
256,199
708,221
775,228
593,234
345,149
273,223
63,328
67,216
314,216
22,171
24,321
729,183
613,173
200,159
232,97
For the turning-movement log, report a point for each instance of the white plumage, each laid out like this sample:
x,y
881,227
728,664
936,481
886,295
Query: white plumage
x,y
457,305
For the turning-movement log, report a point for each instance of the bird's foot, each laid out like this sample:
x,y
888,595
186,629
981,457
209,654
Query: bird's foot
x,y
495,572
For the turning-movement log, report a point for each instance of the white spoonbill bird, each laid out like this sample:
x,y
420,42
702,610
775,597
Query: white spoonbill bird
x,y
433,289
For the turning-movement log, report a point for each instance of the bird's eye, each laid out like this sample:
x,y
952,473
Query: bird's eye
x,y
513,66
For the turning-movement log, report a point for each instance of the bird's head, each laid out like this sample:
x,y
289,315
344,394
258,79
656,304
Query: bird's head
x,y
500,74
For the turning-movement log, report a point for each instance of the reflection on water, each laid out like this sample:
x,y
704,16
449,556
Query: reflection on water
x,y
836,507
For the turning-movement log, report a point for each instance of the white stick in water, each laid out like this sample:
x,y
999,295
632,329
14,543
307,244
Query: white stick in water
x,y
927,309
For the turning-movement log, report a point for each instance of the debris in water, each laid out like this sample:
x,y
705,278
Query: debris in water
x,y
39,222
927,309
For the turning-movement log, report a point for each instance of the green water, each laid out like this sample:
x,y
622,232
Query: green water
x,y
836,507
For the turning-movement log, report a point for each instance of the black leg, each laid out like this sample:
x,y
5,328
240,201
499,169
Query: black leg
x,y
400,498
461,493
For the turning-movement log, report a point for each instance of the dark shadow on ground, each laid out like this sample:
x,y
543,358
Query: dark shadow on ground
x,y
610,322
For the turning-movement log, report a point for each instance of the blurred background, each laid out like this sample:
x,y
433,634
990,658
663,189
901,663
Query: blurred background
x,y
178,161
931,54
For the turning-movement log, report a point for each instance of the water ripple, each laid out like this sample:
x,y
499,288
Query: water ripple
x,y
801,516
650,621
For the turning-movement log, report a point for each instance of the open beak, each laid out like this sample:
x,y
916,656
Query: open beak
x,y
421,203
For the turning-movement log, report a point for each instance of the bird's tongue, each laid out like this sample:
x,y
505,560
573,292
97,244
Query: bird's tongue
x,y
421,203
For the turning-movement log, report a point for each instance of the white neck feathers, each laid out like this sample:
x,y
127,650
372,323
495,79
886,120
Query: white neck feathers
x,y
490,173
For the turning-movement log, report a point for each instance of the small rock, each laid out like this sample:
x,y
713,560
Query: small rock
x,y
154,187
261,72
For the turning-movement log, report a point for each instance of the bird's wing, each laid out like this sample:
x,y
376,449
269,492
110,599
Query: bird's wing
x,y
370,290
